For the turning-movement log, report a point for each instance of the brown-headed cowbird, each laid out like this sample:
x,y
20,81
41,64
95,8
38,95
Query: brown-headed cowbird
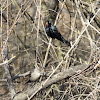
x,y
52,32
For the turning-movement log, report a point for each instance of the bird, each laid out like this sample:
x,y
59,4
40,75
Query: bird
x,y
53,32
35,74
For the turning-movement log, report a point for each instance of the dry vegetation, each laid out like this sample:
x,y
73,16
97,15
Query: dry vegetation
x,y
66,73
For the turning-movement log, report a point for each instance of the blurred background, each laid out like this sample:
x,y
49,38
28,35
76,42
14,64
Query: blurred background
x,y
22,30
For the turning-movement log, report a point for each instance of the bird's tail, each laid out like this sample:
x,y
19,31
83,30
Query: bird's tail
x,y
65,41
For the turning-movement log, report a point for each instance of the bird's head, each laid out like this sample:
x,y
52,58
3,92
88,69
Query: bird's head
x,y
47,24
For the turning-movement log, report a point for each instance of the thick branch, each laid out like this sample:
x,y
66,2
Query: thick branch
x,y
7,72
58,77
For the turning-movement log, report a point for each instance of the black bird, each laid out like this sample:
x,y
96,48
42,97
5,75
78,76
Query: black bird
x,y
52,32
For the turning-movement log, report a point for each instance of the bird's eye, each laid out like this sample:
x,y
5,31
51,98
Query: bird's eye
x,y
49,22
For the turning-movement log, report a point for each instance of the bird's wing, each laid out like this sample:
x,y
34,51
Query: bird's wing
x,y
54,29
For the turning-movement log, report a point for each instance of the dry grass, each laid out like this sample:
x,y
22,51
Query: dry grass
x,y
22,30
